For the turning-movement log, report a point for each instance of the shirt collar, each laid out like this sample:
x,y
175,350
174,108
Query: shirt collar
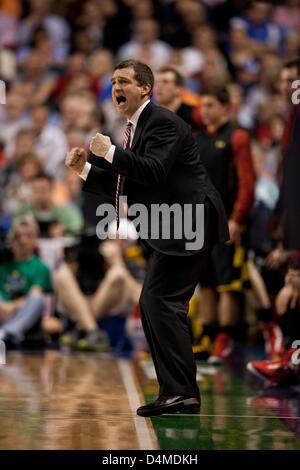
x,y
135,117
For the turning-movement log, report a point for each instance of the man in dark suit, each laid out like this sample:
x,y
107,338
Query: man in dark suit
x,y
161,164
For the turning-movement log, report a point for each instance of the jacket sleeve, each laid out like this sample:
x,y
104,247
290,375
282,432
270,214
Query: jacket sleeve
x,y
99,162
100,182
161,146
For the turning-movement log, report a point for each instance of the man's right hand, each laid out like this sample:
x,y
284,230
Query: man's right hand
x,y
76,159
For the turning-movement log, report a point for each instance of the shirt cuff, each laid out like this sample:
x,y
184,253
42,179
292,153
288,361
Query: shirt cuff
x,y
110,154
85,172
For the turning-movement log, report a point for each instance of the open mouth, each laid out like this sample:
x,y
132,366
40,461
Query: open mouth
x,y
121,99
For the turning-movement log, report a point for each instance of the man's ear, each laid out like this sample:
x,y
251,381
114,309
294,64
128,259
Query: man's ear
x,y
146,90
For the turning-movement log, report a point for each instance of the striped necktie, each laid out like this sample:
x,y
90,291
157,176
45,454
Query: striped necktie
x,y
121,178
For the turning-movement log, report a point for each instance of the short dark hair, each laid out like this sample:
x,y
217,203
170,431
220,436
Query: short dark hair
x,y
142,72
24,221
219,92
179,79
44,176
293,63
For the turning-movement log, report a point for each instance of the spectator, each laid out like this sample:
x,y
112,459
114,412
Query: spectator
x,y
18,192
23,144
91,21
23,280
287,15
75,64
291,45
283,371
185,16
14,120
145,45
262,32
42,43
35,79
53,220
169,94
117,293
75,110
50,143
193,58
101,67
74,305
226,154
56,27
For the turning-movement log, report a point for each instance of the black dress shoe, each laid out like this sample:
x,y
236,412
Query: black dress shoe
x,y
174,404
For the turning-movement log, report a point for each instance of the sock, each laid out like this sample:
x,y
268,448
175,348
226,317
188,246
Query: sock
x,y
211,330
290,324
230,330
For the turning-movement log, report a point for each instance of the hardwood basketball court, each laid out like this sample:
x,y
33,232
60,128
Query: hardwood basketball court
x,y
54,400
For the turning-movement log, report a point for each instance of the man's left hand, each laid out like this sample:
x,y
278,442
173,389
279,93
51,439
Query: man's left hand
x,y
100,145
7,309
287,297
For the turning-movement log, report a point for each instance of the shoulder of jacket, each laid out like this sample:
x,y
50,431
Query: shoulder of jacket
x,y
168,116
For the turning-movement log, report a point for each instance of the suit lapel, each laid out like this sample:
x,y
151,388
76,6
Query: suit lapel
x,y
141,123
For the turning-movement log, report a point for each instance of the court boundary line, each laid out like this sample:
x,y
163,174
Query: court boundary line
x,y
146,441
233,416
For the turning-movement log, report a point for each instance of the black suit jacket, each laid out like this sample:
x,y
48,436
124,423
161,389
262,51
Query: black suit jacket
x,y
163,166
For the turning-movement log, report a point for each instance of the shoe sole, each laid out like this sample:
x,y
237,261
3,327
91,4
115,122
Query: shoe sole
x,y
189,410
187,407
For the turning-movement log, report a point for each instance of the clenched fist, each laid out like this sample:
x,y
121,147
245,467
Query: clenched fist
x,y
100,145
76,159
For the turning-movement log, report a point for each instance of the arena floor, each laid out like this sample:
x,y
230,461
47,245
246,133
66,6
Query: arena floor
x,y
70,401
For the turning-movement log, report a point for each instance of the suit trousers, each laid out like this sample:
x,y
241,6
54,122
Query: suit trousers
x,y
169,284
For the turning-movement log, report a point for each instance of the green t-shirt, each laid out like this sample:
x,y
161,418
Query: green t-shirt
x,y
18,277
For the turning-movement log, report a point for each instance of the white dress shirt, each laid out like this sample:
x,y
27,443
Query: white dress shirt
x,y
110,154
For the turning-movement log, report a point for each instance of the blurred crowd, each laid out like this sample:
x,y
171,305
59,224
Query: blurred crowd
x,y
56,60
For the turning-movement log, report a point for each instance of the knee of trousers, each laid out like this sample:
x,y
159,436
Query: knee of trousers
x,y
148,297
152,303
36,301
